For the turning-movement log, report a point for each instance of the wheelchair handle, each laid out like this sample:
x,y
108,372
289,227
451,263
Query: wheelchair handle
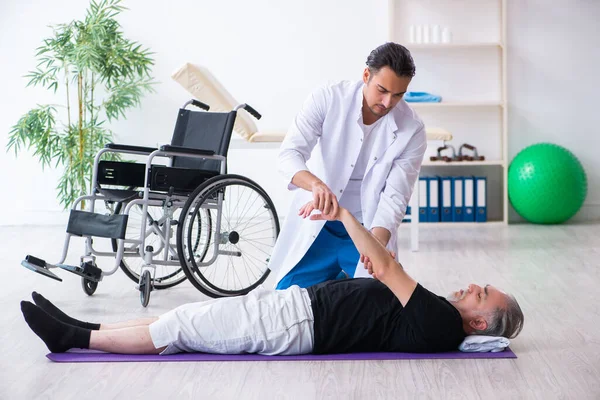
x,y
250,110
199,104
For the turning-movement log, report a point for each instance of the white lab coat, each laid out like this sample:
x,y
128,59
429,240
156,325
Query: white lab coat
x,y
325,139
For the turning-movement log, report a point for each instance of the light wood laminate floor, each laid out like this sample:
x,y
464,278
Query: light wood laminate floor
x,y
553,271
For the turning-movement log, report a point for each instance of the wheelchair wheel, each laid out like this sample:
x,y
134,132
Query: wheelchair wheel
x,y
145,288
89,287
239,250
166,275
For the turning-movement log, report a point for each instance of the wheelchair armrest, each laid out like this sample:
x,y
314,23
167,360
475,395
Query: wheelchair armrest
x,y
187,150
141,149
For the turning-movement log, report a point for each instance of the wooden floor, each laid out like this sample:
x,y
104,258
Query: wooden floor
x,y
553,271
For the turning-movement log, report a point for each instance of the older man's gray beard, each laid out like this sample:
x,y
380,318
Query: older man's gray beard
x,y
454,297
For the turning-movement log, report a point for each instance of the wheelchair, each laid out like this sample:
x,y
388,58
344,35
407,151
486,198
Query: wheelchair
x,y
184,218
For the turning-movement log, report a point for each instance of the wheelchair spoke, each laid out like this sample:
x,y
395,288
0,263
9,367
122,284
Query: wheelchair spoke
x,y
234,270
259,238
270,228
226,214
225,223
227,269
255,242
237,205
241,213
249,221
261,262
246,264
236,275
256,247
250,241
250,261
245,212
249,226
251,236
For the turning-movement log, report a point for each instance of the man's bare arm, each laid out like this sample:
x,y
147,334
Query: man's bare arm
x,y
385,268
382,234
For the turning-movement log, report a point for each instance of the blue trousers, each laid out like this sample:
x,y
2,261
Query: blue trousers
x,y
331,255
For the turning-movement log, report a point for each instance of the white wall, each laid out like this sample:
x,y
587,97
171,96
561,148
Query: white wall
x,y
554,54
269,54
272,53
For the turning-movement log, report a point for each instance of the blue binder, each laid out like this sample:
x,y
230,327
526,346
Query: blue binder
x,y
423,200
408,212
457,199
469,199
480,199
446,199
433,197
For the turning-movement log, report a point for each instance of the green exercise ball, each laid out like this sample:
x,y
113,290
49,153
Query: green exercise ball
x,y
546,184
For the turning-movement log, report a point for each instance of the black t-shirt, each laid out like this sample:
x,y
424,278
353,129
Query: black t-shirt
x,y
363,315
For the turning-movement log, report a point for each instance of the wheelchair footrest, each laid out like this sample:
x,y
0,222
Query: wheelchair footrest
x,y
38,265
83,223
87,270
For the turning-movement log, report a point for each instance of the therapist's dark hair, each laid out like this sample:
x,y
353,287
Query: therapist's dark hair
x,y
394,56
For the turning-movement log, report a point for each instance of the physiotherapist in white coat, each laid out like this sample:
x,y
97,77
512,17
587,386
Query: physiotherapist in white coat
x,y
354,144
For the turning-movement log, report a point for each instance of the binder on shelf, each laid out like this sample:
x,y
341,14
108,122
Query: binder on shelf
x,y
469,199
408,214
480,199
446,199
433,197
423,200
457,198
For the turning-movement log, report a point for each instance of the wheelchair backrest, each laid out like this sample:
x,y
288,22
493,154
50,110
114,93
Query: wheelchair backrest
x,y
203,130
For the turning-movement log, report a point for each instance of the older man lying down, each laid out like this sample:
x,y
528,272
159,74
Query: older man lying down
x,y
392,313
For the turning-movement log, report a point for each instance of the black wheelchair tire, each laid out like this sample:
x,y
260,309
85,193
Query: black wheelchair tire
x,y
145,288
89,287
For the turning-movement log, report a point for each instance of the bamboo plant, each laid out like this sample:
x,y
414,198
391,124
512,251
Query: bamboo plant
x,y
103,74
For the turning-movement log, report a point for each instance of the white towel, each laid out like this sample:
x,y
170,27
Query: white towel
x,y
482,343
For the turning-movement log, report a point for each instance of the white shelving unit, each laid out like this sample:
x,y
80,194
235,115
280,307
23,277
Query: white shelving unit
x,y
418,106
470,75
465,164
446,46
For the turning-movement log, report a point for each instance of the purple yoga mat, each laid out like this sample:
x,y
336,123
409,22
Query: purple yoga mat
x,y
88,356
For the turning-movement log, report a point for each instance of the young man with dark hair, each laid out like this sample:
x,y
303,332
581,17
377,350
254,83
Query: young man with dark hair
x,y
356,145
390,313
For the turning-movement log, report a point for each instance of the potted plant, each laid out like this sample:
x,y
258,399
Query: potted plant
x,y
103,74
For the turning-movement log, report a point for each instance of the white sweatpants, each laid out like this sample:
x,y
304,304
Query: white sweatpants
x,y
266,322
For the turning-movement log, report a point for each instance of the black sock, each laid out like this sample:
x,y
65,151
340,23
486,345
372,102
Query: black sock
x,y
58,336
51,309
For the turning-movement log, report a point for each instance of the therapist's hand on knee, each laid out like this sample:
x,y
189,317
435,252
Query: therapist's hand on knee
x,y
324,199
